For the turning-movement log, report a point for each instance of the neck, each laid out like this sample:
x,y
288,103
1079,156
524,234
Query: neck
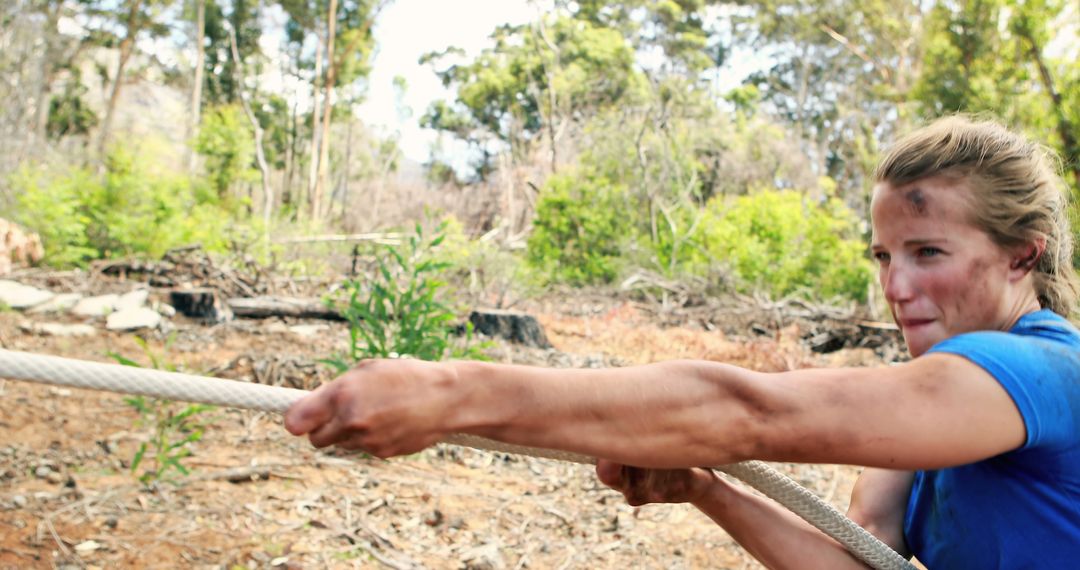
x,y
1026,302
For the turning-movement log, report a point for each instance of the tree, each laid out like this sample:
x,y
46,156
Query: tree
x,y
841,77
197,82
343,52
242,17
990,56
131,18
531,80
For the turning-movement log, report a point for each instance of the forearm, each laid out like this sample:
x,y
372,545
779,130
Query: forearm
x,y
774,535
671,414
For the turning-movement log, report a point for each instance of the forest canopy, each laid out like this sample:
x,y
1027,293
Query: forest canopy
x,y
605,141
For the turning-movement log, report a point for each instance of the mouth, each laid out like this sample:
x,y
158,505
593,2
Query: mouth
x,y
909,324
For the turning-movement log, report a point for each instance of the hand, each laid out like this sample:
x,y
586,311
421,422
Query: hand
x,y
642,486
383,407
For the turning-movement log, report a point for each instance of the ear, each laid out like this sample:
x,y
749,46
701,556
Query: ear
x,y
1026,257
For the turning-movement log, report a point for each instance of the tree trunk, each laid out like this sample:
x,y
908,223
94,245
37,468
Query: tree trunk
x,y
196,89
290,159
48,72
127,46
328,107
1070,147
347,174
313,171
260,154
553,98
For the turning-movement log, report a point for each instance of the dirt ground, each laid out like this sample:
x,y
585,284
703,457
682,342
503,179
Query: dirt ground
x,y
68,499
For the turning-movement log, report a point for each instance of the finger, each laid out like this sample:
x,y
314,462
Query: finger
x,y
354,442
311,411
609,473
329,433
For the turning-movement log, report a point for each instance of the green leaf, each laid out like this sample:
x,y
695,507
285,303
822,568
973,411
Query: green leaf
x,y
135,461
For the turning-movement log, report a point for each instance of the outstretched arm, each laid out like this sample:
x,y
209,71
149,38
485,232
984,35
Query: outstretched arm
x,y
935,411
772,534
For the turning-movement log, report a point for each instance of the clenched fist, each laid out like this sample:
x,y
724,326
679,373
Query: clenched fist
x,y
642,486
383,407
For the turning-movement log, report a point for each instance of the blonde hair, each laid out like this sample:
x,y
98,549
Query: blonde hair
x,y
1018,195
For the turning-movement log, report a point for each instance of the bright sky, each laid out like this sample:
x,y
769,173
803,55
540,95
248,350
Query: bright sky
x,y
408,29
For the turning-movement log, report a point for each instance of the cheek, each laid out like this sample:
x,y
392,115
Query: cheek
x,y
967,286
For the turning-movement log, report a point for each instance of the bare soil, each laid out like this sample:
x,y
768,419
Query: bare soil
x,y
68,499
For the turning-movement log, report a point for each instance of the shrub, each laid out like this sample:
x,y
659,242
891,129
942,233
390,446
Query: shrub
x,y
780,242
133,208
226,143
174,426
398,311
54,209
480,271
579,230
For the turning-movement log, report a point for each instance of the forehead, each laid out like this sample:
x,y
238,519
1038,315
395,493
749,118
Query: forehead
x,y
937,197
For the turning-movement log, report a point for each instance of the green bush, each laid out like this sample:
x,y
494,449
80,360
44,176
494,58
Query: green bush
x,y
782,243
227,145
174,426
579,230
132,208
480,271
54,209
399,310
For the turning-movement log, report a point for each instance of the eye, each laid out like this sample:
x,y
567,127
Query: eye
x,y
929,251
881,256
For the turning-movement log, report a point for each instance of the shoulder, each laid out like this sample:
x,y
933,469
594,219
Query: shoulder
x,y
1037,362
1040,341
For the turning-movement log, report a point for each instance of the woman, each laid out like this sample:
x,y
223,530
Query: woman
x,y
972,448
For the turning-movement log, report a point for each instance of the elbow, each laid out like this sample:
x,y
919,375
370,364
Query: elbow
x,y
757,417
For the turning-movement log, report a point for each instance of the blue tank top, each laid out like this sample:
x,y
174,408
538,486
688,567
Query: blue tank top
x,y
1020,509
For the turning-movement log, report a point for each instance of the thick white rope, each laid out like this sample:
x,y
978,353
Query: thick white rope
x,y
190,388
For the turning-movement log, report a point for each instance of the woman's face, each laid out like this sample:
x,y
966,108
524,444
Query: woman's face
x,y
941,275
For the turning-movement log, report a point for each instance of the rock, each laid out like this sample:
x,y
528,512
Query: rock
x,y
276,327
19,296
58,304
132,300
133,319
201,304
99,306
483,557
54,478
515,327
19,501
18,247
42,472
58,329
166,310
308,330
87,546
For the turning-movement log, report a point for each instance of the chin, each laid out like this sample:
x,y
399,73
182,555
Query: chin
x,y
918,346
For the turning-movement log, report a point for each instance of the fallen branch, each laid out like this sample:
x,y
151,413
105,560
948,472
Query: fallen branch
x,y
380,238
296,307
238,474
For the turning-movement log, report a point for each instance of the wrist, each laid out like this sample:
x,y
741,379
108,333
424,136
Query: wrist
x,y
708,487
477,407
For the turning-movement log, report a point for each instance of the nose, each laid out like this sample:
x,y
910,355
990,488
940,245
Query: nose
x,y
897,282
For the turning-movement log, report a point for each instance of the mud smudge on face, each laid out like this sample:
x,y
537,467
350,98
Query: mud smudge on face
x,y
917,199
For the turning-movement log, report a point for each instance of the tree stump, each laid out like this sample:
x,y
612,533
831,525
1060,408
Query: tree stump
x,y
201,304
515,327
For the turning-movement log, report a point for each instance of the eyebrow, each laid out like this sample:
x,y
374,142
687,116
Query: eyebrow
x,y
914,242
